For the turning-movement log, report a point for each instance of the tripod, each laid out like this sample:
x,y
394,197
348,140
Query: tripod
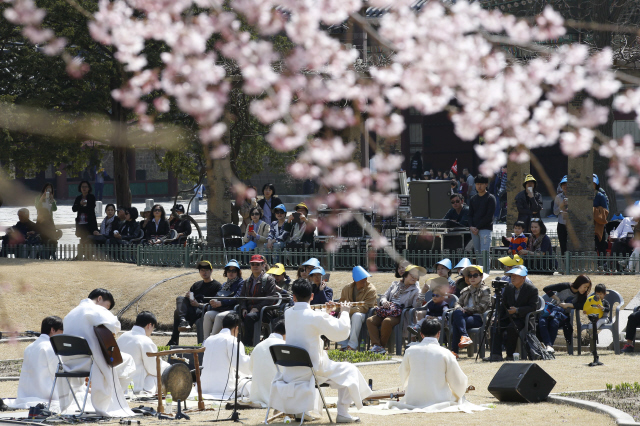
x,y
594,339
495,326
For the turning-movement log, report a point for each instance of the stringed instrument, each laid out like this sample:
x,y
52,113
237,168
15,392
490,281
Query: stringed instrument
x,y
397,395
109,346
336,305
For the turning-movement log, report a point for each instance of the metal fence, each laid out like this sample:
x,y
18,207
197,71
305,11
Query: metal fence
x,y
343,259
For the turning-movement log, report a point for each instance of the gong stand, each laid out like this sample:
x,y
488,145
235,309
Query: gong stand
x,y
196,364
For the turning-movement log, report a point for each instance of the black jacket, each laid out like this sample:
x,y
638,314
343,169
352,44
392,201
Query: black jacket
x,y
181,225
527,300
481,211
150,230
528,207
89,210
275,201
128,229
265,287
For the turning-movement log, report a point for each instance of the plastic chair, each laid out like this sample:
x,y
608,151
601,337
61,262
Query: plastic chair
x,y
612,297
67,345
293,356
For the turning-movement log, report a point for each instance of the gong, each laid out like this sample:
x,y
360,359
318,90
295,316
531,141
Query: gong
x,y
177,380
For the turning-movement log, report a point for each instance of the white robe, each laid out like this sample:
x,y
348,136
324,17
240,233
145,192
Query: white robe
x,y
137,344
263,370
294,392
36,376
107,396
219,367
432,379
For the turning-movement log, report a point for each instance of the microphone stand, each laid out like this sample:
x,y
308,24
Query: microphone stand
x,y
594,340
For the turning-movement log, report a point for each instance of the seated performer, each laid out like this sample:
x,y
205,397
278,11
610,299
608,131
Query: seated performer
x,y
263,370
304,328
107,396
38,368
431,376
190,307
137,343
360,290
219,363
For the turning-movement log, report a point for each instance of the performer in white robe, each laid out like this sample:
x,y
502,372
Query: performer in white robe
x,y
137,343
219,363
263,370
304,328
107,396
431,376
38,369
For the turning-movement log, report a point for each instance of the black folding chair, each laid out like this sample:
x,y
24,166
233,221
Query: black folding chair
x,y
67,345
293,356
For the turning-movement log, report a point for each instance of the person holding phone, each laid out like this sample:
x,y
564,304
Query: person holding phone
x,y
529,202
257,229
300,228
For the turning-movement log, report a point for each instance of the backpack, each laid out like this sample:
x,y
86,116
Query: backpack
x,y
534,348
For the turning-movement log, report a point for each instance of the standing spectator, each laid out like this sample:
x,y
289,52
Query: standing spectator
x,y
245,208
560,209
481,208
157,229
269,202
199,192
85,207
180,223
600,213
416,165
471,184
454,187
528,202
458,212
99,182
259,284
258,229
463,188
45,206
499,189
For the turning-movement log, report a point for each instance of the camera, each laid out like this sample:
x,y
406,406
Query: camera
x,y
499,284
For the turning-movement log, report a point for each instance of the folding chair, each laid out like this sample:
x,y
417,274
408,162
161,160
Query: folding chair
x,y
67,345
293,356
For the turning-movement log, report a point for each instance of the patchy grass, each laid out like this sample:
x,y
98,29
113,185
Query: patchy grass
x,y
625,397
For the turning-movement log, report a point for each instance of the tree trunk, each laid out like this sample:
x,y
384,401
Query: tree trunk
x,y
218,201
580,207
515,176
120,164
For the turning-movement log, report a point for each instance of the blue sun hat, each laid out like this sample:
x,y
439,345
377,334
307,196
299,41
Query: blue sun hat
x,y
280,207
463,263
359,273
317,270
312,262
519,270
563,180
444,262
596,180
233,263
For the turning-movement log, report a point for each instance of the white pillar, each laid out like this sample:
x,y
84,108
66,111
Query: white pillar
x,y
98,208
195,206
149,203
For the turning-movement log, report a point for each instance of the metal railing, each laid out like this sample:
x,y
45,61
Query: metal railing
x,y
346,258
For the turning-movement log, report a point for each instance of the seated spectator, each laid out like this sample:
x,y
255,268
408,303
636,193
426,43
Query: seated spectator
x,y
157,229
307,267
216,310
633,322
108,225
360,290
277,235
189,308
180,223
269,202
257,230
120,214
127,230
538,245
566,296
259,284
23,232
599,305
518,240
458,212
620,235
401,294
474,301
528,202
454,187
519,299
246,207
435,309
145,217
322,293
283,282
300,227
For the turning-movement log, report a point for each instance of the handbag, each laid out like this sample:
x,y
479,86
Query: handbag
x,y
394,310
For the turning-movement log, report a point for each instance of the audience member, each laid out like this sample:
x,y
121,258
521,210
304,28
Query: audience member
x,y
401,294
23,232
458,212
180,223
498,188
518,299
463,187
481,209
307,267
283,282
360,290
190,307
560,209
127,230
257,230
322,293
246,207
45,206
539,244
277,235
620,235
454,187
216,310
471,184
157,228
473,302
528,202
600,214
85,207
416,166
108,225
518,240
436,308
633,322
599,305
300,228
259,284
269,202
263,370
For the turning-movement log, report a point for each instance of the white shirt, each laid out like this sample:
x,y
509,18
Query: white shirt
x,y
137,344
219,365
263,370
624,228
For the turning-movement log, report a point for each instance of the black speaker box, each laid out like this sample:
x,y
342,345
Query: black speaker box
x,y
521,382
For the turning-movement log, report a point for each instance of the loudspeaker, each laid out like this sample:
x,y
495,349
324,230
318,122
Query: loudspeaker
x,y
430,198
521,382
